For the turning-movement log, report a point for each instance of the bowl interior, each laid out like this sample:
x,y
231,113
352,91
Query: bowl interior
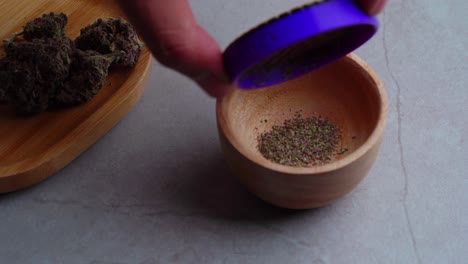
x,y
343,92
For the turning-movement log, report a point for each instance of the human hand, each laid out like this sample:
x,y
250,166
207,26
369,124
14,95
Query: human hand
x,y
171,32
372,7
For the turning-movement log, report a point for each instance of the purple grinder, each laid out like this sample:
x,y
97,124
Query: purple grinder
x,y
298,42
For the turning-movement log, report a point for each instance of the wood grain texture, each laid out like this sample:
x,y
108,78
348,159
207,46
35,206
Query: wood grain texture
x,y
34,148
347,92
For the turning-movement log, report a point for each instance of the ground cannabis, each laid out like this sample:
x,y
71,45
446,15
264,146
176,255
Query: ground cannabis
x,y
107,36
301,142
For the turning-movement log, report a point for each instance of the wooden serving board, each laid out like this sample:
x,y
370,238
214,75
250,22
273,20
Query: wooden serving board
x,y
34,148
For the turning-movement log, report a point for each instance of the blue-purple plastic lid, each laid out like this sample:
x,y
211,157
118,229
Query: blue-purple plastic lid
x,y
298,42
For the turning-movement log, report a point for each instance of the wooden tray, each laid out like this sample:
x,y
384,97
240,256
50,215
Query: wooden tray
x,y
34,148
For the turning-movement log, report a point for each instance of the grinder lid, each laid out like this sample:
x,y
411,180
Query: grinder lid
x,y
297,42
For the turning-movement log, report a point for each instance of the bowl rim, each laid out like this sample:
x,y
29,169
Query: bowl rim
x,y
371,141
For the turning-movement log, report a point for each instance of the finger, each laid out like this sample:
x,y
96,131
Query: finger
x,y
177,41
373,7
196,54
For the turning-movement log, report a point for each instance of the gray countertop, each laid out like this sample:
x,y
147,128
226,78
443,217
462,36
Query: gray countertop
x,y
156,189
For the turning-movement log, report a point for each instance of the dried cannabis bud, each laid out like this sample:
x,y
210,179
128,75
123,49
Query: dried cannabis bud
x,y
3,97
47,26
3,77
51,56
5,81
300,142
48,71
111,36
88,73
21,83
33,71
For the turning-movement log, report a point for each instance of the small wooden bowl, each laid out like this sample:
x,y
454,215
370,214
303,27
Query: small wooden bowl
x,y
347,92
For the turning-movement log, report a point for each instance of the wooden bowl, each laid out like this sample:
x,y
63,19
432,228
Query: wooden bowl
x,y
347,92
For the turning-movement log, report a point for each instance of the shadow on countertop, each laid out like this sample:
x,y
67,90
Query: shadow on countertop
x,y
216,192
202,187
